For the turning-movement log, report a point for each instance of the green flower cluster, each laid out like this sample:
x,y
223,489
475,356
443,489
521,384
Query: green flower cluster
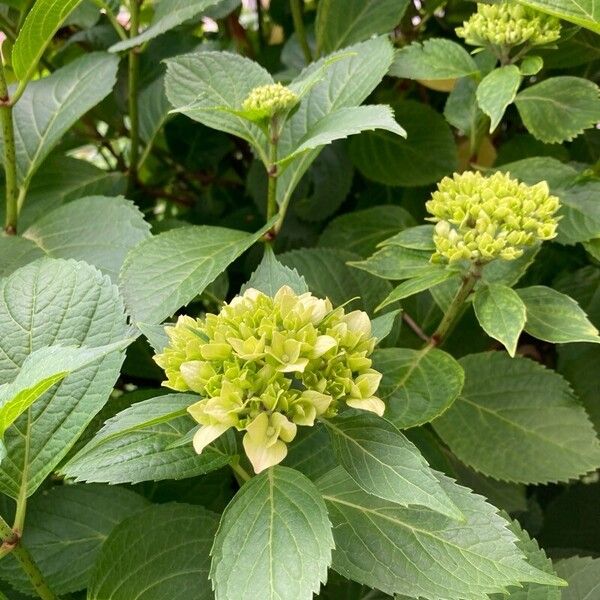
x,y
509,24
266,365
482,218
270,100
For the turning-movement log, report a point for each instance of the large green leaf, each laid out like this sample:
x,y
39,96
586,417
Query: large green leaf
x,y
420,553
579,212
340,23
168,14
17,252
426,155
271,275
559,109
137,445
56,302
66,526
417,385
164,553
274,540
169,270
384,463
517,421
396,262
581,12
583,576
436,58
496,91
555,317
100,231
39,28
501,313
50,106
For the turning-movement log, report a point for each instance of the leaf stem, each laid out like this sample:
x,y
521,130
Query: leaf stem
x,y
134,72
239,470
296,7
456,306
101,4
10,156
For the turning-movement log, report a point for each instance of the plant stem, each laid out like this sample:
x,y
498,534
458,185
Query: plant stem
x,y
272,184
296,7
111,17
239,470
10,156
134,72
456,306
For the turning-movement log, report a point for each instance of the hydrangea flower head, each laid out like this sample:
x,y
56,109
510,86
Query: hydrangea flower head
x,y
268,365
267,101
482,218
509,24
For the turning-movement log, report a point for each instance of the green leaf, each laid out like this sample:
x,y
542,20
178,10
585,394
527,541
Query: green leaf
x,y
384,463
417,552
340,23
555,317
382,326
517,421
42,22
424,280
435,58
531,65
581,12
66,526
462,110
56,302
360,231
170,269
559,109
168,14
274,540
165,551
583,576
271,275
417,385
425,156
345,122
40,371
101,231
311,453
395,262
416,238
501,313
135,445
327,275
579,211
496,91
50,106
17,252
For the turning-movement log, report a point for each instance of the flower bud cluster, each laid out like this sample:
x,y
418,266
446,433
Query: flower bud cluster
x,y
267,365
270,100
482,218
509,24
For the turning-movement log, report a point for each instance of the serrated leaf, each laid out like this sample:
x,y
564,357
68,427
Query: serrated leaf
x,y
555,317
422,281
42,22
50,106
135,446
436,58
101,231
417,385
327,275
340,23
360,231
17,252
496,91
277,514
420,553
343,123
165,551
384,463
560,108
425,156
170,269
168,14
581,12
46,303
271,275
517,421
66,526
583,576
395,262
501,313
416,238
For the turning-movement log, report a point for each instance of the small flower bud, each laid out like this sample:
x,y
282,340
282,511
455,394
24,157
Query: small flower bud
x,y
270,100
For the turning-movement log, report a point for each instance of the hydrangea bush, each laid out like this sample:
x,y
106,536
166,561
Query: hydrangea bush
x,y
299,299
